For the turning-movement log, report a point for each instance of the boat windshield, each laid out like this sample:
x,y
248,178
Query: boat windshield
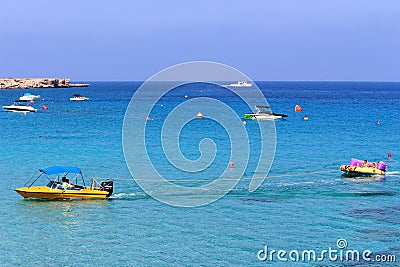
x,y
53,184
21,102
262,109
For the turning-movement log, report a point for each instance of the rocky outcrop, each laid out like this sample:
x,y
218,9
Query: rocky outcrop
x,y
19,83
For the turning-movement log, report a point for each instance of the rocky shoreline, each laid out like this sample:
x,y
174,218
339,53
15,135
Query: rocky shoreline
x,y
21,83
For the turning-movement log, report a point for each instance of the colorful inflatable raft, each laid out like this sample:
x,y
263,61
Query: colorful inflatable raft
x,y
359,167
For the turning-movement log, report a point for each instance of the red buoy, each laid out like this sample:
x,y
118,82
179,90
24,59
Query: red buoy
x,y
231,164
389,155
44,107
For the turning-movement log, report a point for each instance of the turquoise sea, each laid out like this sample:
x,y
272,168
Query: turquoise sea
x,y
305,204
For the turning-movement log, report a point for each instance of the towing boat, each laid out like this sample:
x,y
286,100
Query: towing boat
x,y
64,188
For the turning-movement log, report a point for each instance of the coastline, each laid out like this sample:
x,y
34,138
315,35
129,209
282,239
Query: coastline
x,y
23,83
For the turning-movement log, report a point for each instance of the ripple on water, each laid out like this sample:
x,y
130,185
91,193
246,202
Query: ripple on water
x,y
389,215
379,234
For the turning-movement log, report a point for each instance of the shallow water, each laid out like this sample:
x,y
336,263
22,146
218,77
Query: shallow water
x,y
305,204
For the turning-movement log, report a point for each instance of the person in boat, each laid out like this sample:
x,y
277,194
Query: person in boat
x,y
365,164
70,185
65,183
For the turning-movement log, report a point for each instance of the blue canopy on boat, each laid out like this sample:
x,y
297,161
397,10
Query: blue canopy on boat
x,y
60,169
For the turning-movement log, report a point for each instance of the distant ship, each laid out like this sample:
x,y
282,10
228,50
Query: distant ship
x,y
78,97
79,85
240,84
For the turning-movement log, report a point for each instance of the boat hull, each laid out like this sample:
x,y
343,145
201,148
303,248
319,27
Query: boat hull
x,y
240,84
79,98
29,98
254,116
357,170
20,108
45,192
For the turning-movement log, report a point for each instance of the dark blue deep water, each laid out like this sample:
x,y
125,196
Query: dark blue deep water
x,y
305,204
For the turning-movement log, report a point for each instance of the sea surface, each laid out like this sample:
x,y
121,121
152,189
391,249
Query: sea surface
x,y
304,204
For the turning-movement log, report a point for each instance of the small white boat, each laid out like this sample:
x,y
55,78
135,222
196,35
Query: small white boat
x,y
20,106
240,84
263,113
29,97
78,97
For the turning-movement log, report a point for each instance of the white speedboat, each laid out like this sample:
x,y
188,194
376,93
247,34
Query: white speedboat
x,y
20,106
78,97
263,113
240,84
29,97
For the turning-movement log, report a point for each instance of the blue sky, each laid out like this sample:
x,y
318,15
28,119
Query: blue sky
x,y
267,40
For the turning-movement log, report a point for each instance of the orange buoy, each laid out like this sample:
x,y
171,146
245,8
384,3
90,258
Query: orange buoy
x,y
298,108
44,107
199,115
231,164
147,119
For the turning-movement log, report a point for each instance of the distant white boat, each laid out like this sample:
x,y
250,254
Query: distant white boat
x,y
78,97
241,84
20,106
29,97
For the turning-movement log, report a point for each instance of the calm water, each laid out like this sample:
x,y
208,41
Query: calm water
x,y
291,210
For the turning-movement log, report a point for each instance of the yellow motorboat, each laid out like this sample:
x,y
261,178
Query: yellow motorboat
x,y
64,189
360,167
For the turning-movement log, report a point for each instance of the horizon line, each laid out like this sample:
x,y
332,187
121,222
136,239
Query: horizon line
x,y
371,81
251,80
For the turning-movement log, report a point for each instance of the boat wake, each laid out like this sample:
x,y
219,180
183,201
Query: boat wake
x,y
392,173
128,196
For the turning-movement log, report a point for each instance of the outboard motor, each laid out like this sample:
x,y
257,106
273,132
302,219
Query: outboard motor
x,y
107,186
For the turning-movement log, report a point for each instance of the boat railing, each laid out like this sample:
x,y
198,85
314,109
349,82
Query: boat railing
x,y
95,184
105,185
30,179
